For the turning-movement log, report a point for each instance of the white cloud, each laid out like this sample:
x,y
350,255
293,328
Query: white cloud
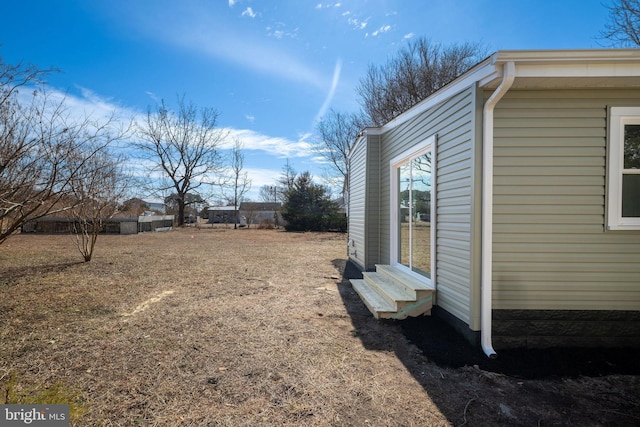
x,y
327,5
198,29
232,2
279,31
250,118
249,12
249,53
155,98
381,30
334,84
282,148
358,24
408,36
87,103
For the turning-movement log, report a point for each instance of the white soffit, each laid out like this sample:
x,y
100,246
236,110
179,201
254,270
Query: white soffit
x,y
571,68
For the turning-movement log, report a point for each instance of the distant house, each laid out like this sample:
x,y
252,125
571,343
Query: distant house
x,y
149,223
116,225
222,214
509,202
342,205
249,213
63,225
259,212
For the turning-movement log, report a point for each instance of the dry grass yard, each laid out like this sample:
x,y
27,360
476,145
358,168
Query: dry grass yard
x,y
222,327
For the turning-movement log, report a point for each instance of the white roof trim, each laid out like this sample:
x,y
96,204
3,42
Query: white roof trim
x,y
533,63
485,69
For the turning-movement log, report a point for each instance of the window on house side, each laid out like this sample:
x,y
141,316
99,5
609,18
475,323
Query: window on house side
x,y
623,209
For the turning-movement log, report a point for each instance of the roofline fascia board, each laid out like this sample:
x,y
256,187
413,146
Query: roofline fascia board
x,y
573,63
568,55
530,63
483,70
533,63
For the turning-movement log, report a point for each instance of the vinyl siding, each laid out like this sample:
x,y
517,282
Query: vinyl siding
x,y
373,212
453,123
356,219
551,250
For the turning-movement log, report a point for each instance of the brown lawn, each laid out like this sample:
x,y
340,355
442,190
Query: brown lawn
x,y
242,328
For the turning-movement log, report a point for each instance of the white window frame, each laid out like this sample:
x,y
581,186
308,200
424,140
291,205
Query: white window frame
x,y
428,145
618,118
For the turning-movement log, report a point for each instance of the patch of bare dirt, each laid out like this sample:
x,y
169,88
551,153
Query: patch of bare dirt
x,y
225,327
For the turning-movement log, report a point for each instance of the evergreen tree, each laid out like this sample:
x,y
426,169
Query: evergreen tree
x,y
308,207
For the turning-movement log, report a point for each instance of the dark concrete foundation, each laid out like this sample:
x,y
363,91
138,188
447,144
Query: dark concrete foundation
x,y
565,328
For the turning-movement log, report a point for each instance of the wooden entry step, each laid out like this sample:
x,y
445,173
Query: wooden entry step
x,y
390,293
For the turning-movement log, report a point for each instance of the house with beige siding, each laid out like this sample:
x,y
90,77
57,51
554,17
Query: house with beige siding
x,y
508,202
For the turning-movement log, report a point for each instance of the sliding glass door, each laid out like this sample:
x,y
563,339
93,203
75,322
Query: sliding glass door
x,y
412,189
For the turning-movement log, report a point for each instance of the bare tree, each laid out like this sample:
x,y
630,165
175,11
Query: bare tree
x,y
98,187
268,193
250,210
417,71
338,131
238,180
623,28
38,138
184,147
287,179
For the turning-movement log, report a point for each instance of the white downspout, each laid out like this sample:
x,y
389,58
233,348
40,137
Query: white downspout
x,y
508,75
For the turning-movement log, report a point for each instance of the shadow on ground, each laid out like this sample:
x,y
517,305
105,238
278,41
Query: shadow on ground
x,y
441,344
15,273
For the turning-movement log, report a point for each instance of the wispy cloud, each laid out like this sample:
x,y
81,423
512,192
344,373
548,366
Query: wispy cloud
x,y
357,23
282,148
408,36
334,84
381,30
250,118
200,31
155,98
249,12
328,5
88,103
254,55
279,30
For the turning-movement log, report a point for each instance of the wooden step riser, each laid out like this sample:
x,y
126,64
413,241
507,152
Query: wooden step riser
x,y
390,293
377,313
412,296
396,310
415,309
403,279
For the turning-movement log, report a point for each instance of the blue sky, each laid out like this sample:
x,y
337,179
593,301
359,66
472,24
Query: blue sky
x,y
270,67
